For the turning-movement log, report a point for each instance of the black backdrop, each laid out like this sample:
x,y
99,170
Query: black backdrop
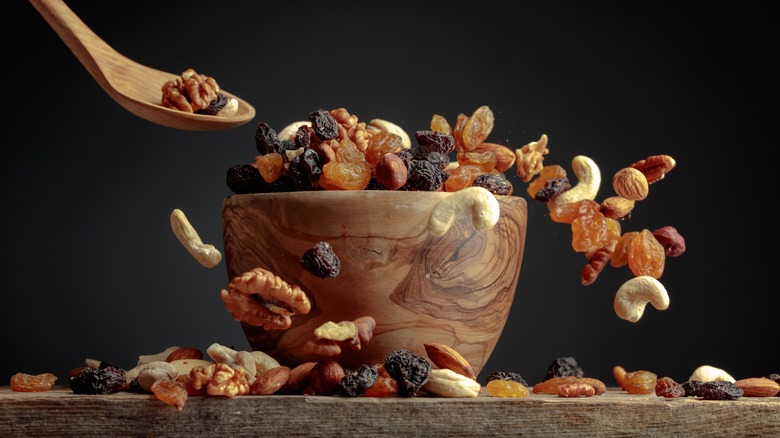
x,y
89,267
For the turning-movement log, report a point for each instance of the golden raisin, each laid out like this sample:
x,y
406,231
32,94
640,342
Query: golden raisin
x,y
484,160
461,177
381,144
270,166
589,233
620,253
384,386
171,392
639,382
566,212
345,175
440,124
477,127
645,255
23,382
506,388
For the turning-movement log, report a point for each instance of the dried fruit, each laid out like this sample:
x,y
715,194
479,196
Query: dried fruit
x,y
720,390
494,183
23,382
325,126
692,387
645,255
321,261
666,387
639,382
563,366
385,386
244,178
506,388
507,375
356,382
171,392
105,379
409,369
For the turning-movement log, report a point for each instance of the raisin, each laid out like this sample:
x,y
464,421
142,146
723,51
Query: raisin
x,y
720,390
639,382
325,126
440,124
407,155
436,158
355,382
462,177
346,176
494,183
302,137
171,392
305,170
244,178
620,253
282,184
425,176
269,166
548,172
380,144
266,140
477,127
287,145
552,188
215,106
567,212
692,388
321,261
105,379
506,388
645,255
666,387
374,184
434,141
507,375
410,370
562,367
385,386
23,382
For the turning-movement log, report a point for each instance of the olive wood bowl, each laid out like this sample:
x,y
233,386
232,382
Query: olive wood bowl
x,y
455,290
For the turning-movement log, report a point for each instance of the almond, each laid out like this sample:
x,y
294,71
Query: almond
x,y
446,357
758,387
325,377
299,378
505,157
616,207
270,381
184,353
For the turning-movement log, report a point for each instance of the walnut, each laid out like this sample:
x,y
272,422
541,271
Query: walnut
x,y
330,337
351,128
529,158
190,92
219,379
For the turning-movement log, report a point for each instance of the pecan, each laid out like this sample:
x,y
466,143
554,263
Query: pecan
x,y
595,265
655,167
576,389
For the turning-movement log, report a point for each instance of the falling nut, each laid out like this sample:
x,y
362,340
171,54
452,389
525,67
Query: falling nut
x,y
616,207
588,183
474,201
634,294
630,183
207,255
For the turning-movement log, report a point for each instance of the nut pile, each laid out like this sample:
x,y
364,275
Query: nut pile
x,y
193,92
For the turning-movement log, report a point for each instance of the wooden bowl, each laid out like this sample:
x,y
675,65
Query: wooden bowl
x,y
455,290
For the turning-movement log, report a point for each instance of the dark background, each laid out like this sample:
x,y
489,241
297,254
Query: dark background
x,y
89,267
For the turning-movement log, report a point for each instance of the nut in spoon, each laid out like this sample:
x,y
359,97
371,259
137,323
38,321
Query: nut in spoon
x,y
134,86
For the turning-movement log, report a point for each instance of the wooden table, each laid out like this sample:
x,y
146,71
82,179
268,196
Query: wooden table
x,y
59,412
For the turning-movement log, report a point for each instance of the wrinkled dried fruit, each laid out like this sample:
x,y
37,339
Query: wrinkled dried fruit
x,y
244,178
645,255
105,379
666,387
321,261
563,366
410,370
355,382
506,375
171,392
325,126
720,390
385,386
639,382
506,388
692,387
23,382
494,183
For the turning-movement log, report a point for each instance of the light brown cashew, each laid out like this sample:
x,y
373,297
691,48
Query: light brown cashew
x,y
474,201
633,296
236,359
206,255
588,182
708,373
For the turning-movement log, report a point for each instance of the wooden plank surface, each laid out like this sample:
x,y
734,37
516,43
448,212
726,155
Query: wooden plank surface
x,y
59,412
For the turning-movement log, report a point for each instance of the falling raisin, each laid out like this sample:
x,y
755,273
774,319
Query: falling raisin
x,y
215,106
720,390
321,261
265,139
692,388
507,375
425,176
494,183
552,188
355,382
23,382
325,126
244,178
105,379
666,387
562,367
410,370
305,170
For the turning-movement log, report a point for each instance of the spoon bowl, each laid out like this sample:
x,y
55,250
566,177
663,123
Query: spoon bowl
x,y
136,87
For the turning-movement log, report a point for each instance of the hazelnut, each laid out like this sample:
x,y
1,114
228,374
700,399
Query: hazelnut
x,y
391,171
325,377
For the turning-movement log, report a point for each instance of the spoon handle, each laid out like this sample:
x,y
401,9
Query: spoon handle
x,y
80,39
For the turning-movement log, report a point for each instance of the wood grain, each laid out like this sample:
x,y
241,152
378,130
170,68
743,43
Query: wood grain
x,y
59,412
456,289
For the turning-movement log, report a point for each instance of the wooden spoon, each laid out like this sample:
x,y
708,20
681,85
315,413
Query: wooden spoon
x,y
136,87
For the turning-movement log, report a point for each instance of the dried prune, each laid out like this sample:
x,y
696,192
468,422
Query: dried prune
x,y
355,382
321,261
552,188
692,388
425,176
433,141
507,375
266,139
303,137
105,379
244,178
720,390
215,106
325,126
305,170
562,367
494,183
410,370
666,387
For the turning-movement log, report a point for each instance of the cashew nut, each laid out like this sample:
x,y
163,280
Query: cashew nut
x,y
707,373
383,125
341,331
588,182
289,131
154,371
233,358
475,201
264,361
206,255
633,296
447,383
145,359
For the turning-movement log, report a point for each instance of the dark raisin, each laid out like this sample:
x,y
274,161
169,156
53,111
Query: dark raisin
x,y
321,261
562,367
244,178
494,183
265,139
720,390
407,156
666,387
215,106
287,145
692,388
282,184
374,184
507,375
434,141
305,170
552,188
303,137
410,370
425,176
325,126
436,158
355,382
105,379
